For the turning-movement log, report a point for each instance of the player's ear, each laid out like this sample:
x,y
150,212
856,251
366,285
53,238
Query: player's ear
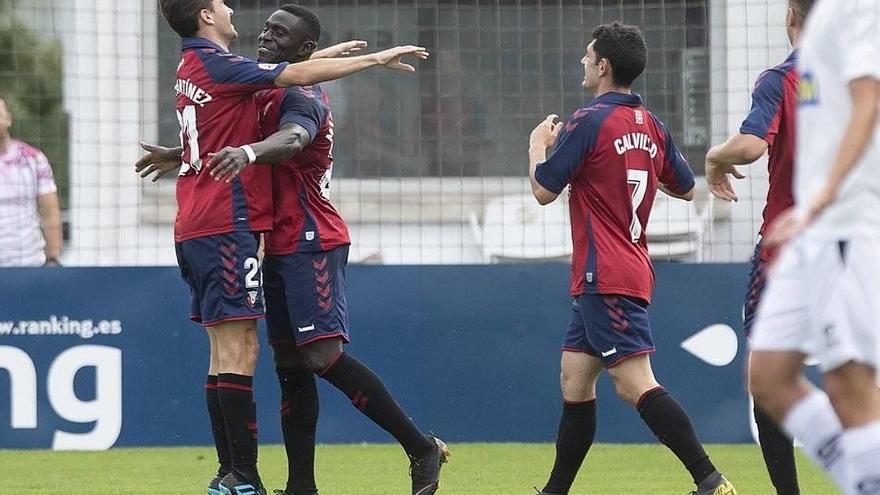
x,y
790,17
307,48
207,16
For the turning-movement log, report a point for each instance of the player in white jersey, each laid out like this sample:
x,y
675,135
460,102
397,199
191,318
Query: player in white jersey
x,y
823,298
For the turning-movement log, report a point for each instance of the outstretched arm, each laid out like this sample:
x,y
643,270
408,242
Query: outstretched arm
x,y
339,49
327,69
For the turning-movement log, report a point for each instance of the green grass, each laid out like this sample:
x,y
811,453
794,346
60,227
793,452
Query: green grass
x,y
474,469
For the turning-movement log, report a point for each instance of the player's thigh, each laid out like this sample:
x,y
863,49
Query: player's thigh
x,y
846,324
782,322
757,283
279,326
315,289
617,327
580,372
224,273
237,343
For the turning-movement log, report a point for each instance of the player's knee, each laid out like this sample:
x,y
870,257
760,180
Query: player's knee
x,y
320,355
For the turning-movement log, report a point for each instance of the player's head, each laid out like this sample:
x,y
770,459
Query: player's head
x,y
290,35
204,18
5,116
615,57
796,17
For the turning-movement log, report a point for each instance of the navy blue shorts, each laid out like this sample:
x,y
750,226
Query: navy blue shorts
x,y
757,281
223,274
305,296
609,327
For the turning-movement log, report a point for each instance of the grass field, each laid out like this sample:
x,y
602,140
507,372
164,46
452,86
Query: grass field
x,y
474,469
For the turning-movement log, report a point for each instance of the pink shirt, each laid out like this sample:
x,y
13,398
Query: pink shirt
x,y
25,174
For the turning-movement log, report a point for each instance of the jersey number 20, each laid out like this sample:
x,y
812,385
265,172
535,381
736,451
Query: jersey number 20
x,y
189,136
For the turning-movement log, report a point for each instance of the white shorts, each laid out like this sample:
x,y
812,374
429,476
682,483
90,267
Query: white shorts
x,y
823,300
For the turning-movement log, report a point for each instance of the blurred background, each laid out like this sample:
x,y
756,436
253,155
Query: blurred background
x,y
429,168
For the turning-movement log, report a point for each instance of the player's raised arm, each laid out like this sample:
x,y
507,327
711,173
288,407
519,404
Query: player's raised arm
x,y
340,49
327,69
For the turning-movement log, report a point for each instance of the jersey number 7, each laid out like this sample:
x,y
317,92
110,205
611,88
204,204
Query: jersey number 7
x,y
639,180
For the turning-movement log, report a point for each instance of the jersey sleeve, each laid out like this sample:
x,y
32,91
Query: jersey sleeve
x,y
576,140
45,177
861,40
235,74
676,175
298,107
763,119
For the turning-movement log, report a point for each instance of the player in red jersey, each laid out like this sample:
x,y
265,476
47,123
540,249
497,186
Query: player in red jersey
x,y
217,225
614,154
769,125
306,255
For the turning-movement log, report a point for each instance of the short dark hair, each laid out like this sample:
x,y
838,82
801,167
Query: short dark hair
x,y
309,17
625,48
801,9
183,15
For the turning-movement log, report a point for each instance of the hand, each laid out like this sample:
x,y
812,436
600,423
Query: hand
x,y
545,134
340,49
821,200
227,163
159,160
717,175
391,58
786,227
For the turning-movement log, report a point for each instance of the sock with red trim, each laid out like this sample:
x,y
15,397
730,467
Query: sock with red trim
x,y
577,429
218,426
236,393
672,426
369,395
299,420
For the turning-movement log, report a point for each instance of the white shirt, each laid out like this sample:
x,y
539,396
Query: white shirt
x,y
841,43
25,174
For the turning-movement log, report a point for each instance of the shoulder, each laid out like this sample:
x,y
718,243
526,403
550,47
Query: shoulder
x,y
589,118
29,151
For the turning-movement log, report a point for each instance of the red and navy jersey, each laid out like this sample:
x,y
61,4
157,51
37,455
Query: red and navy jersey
x,y
772,118
216,108
613,153
305,220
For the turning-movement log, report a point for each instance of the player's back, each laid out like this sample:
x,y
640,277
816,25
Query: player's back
x,y
304,218
625,153
840,44
773,118
216,108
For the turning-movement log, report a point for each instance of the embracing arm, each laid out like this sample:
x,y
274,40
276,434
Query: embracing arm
x,y
289,140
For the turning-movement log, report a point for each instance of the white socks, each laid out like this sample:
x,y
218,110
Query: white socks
x,y
861,447
813,422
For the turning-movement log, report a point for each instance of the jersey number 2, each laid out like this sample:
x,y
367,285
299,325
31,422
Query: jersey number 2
x,y
188,131
639,180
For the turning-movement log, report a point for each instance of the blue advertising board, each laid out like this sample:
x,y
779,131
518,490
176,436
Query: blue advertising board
x,y
96,357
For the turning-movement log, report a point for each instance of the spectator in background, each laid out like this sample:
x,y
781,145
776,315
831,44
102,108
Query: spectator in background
x,y
30,218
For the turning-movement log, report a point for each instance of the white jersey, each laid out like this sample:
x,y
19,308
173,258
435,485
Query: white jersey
x,y
25,175
841,43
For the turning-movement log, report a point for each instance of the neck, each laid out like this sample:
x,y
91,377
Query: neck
x,y
213,36
611,88
795,37
5,141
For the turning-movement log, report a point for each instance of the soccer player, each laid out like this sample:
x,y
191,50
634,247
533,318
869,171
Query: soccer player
x,y
305,264
614,154
769,125
217,224
823,296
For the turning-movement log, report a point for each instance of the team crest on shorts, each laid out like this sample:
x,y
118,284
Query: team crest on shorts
x,y
252,297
